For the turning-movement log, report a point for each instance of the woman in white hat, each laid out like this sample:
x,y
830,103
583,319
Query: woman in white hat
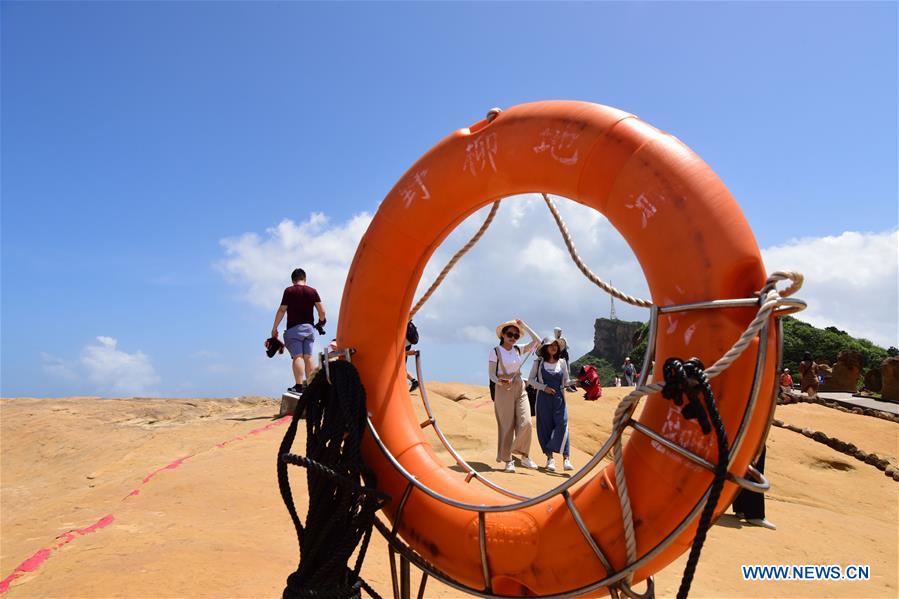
x,y
549,375
513,414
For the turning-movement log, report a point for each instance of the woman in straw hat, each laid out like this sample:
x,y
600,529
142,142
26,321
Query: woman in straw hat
x,y
549,375
513,414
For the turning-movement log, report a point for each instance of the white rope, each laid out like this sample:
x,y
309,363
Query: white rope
x,y
454,259
628,404
563,229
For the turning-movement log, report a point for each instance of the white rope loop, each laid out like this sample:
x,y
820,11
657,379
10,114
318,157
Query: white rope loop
x,y
796,278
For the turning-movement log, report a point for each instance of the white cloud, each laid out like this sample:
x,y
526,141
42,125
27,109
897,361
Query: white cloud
x,y
261,266
521,269
104,369
478,334
850,281
116,371
57,368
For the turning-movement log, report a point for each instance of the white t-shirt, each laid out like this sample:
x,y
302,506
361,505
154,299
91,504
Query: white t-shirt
x,y
511,359
554,368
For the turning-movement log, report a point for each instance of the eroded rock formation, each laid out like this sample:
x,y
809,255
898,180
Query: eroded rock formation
x,y
845,373
613,340
889,373
873,379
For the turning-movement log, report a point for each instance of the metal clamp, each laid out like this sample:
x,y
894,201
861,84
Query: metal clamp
x,y
325,357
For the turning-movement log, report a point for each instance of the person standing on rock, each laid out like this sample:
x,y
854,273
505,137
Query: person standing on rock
x,y
786,380
808,372
297,302
510,403
750,505
549,375
630,373
563,344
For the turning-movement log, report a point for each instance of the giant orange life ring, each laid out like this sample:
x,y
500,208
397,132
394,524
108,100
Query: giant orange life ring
x,y
693,243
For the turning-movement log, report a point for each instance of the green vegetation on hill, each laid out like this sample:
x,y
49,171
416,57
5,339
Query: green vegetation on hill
x,y
800,337
825,344
640,349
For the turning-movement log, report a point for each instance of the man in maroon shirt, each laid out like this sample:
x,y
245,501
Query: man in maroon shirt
x,y
297,302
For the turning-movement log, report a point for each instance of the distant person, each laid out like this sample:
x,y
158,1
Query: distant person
x,y
786,380
297,302
510,404
808,372
563,345
750,504
630,373
549,375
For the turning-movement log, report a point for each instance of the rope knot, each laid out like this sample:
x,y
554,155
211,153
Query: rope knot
x,y
687,379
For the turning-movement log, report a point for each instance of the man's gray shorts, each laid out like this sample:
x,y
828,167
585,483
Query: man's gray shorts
x,y
298,340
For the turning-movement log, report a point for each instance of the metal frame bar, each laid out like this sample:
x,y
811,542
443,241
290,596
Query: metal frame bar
x,y
586,532
614,580
405,579
324,359
760,485
482,543
432,421
422,584
393,577
399,509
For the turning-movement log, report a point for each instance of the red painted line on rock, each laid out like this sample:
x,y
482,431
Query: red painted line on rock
x,y
171,466
41,555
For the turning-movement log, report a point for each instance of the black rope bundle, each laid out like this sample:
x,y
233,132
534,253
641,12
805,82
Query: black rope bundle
x,y
341,510
689,379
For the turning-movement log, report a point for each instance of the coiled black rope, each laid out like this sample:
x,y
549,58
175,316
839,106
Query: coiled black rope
x,y
688,379
341,510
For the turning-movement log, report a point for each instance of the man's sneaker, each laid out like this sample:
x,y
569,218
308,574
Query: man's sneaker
x,y
413,385
551,465
510,466
567,464
529,463
298,388
762,522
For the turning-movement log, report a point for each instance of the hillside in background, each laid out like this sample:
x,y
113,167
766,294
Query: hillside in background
x,y
825,344
799,337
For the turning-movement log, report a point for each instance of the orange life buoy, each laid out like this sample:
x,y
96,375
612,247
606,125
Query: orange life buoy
x,y
693,244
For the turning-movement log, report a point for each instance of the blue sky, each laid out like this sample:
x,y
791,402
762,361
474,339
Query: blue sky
x,y
150,150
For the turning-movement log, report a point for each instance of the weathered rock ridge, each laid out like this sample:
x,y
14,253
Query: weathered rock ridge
x,y
613,340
